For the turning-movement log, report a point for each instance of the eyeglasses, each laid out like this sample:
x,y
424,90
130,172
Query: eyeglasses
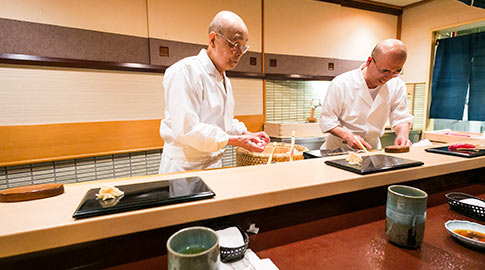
x,y
242,48
387,72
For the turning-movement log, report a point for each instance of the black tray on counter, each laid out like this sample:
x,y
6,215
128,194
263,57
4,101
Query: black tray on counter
x,y
374,164
461,153
144,195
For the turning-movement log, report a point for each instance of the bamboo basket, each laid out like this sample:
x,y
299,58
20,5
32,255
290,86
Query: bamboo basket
x,y
281,154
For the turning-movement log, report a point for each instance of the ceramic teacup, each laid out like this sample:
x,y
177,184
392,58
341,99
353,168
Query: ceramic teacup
x,y
405,215
193,248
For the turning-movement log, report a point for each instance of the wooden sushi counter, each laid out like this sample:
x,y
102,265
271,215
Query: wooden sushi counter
x,y
294,204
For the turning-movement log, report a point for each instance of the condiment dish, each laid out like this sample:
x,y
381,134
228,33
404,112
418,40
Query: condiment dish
x,y
453,225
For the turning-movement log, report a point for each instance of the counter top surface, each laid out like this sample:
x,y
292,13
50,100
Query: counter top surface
x,y
48,223
366,247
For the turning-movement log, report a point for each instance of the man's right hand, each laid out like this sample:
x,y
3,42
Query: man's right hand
x,y
251,142
351,140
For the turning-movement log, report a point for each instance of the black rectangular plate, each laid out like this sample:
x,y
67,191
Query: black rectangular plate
x,y
374,164
467,154
144,195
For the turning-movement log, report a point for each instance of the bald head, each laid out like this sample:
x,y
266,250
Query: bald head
x,y
392,48
227,23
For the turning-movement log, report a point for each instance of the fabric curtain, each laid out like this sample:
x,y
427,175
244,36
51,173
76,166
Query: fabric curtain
x,y
479,3
476,102
451,76
475,3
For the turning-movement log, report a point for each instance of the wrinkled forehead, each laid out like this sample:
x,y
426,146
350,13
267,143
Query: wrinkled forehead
x,y
237,33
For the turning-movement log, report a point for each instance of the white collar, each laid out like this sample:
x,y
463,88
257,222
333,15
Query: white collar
x,y
209,65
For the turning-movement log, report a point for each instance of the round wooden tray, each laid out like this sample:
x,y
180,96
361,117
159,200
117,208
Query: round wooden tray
x,y
396,149
28,193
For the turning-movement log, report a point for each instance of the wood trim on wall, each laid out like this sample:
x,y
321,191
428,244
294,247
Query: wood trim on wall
x,y
368,5
38,143
33,60
27,144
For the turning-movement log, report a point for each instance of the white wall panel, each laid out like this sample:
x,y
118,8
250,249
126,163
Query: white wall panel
x,y
46,95
248,95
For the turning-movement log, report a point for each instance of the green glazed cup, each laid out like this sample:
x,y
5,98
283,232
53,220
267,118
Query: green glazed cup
x,y
405,215
193,248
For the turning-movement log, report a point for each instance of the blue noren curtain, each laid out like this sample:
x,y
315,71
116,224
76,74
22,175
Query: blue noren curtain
x,y
451,75
476,101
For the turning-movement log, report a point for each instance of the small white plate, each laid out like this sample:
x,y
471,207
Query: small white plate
x,y
452,225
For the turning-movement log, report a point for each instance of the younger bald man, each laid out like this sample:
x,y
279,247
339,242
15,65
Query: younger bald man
x,y
199,114
360,102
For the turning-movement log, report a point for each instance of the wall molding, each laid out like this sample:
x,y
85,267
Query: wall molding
x,y
37,44
33,60
367,5
294,67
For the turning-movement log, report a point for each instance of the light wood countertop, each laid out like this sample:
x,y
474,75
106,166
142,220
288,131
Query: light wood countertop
x,y
47,223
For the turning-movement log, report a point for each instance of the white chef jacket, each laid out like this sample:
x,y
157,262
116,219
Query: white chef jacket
x,y
349,104
199,115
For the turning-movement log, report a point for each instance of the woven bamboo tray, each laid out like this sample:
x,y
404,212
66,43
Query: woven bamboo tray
x,y
281,154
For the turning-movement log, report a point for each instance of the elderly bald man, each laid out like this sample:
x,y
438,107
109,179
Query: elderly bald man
x,y
360,102
199,114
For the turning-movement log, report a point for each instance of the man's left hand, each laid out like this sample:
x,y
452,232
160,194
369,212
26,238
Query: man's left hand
x,y
402,141
262,136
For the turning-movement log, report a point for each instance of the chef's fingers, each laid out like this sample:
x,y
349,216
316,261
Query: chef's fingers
x,y
254,147
265,136
368,146
364,143
402,141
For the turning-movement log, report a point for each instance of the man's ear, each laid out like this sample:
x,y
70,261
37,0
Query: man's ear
x,y
369,60
212,39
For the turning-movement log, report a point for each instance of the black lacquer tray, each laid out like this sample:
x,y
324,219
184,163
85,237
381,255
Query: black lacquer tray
x,y
460,153
144,195
374,164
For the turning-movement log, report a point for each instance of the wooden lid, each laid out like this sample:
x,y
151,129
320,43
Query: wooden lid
x,y
28,193
396,149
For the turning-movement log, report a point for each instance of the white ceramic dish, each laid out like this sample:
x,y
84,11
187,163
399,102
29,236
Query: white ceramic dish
x,y
452,225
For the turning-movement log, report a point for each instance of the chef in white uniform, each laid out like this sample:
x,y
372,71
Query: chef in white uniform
x,y
199,114
360,102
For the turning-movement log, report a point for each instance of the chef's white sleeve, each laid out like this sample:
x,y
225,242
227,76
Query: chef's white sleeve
x,y
237,127
331,109
183,98
399,112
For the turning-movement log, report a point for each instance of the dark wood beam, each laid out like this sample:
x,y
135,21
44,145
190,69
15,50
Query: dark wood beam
x,y
34,60
365,5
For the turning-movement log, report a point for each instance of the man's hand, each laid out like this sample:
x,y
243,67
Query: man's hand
x,y
261,135
402,141
402,134
254,142
351,140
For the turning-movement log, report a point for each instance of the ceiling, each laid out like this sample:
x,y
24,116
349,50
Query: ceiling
x,y
399,3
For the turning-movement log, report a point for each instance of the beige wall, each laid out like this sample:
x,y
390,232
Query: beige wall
x,y
188,20
313,28
115,16
417,25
